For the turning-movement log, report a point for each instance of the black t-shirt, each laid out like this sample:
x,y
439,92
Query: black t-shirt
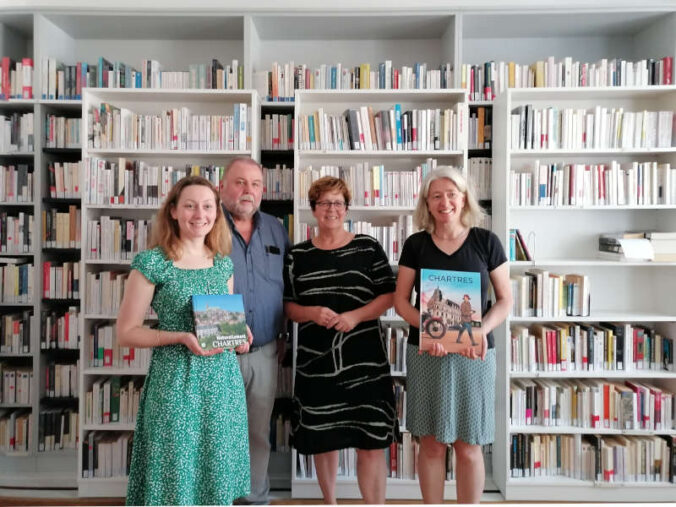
x,y
481,253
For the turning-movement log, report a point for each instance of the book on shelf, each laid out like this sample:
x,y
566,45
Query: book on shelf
x,y
17,133
115,128
57,429
61,380
61,280
219,320
60,329
106,454
62,132
16,431
113,399
60,229
604,459
581,347
15,333
16,183
518,249
279,83
450,303
17,384
612,184
16,78
392,129
490,79
600,128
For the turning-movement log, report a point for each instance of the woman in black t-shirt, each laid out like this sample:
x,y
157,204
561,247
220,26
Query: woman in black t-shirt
x,y
450,397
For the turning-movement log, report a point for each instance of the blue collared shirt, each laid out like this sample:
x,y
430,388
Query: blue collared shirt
x,y
258,275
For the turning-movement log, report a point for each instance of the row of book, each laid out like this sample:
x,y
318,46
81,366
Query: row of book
x,y
16,183
65,179
104,291
65,82
112,127
480,171
277,132
518,248
539,293
613,184
605,346
17,282
62,132
617,459
15,333
278,183
388,130
390,236
134,182
106,454
400,403
16,233
280,433
551,128
60,329
113,238
113,400
17,384
590,403
480,128
16,435
103,350
61,229
279,83
61,380
486,81
61,280
58,429
16,78
370,184
396,339
17,133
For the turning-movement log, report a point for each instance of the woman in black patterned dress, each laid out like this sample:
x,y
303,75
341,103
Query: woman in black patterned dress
x,y
336,286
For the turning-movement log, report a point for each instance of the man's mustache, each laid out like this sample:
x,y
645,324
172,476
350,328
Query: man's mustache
x,y
247,198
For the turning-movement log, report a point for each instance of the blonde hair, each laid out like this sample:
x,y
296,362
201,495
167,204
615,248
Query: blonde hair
x,y
165,231
471,215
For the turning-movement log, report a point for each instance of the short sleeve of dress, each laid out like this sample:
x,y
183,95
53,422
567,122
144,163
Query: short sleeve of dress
x,y
382,276
409,253
496,253
151,264
289,290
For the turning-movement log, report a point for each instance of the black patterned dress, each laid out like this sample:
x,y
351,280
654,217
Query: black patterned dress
x,y
343,393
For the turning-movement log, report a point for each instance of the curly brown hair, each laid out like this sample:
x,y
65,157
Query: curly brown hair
x,y
165,232
328,184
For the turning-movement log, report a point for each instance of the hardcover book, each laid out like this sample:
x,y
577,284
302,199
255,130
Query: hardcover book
x,y
450,310
219,320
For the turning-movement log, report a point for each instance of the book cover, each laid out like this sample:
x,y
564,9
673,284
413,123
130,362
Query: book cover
x,y
219,320
450,310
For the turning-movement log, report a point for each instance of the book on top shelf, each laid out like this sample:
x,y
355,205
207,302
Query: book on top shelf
x,y
219,320
450,304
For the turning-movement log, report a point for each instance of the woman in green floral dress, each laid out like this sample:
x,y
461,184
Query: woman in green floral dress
x,y
191,445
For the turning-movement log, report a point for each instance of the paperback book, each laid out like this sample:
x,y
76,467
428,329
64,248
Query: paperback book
x,y
219,320
450,310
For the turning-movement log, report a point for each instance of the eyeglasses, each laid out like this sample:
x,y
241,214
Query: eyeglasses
x,y
328,204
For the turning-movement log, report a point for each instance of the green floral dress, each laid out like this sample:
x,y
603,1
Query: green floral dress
x,y
191,442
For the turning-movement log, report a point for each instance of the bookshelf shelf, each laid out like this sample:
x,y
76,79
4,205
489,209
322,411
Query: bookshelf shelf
x,y
623,292
115,371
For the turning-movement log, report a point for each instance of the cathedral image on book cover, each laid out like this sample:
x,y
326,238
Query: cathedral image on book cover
x,y
219,320
450,310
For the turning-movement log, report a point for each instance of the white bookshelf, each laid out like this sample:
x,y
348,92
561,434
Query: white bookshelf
x,y
149,102
566,241
257,35
336,102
